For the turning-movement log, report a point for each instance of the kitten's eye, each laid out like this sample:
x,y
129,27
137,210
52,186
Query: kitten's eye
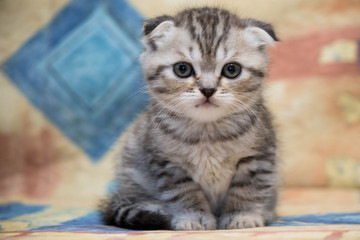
x,y
183,70
231,70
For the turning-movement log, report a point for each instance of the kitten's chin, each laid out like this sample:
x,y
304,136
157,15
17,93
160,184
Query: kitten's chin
x,y
205,112
206,105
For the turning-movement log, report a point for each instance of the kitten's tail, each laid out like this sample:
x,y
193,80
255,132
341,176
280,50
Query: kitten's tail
x,y
127,213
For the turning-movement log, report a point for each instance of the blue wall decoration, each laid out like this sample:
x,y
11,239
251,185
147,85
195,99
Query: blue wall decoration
x,y
82,71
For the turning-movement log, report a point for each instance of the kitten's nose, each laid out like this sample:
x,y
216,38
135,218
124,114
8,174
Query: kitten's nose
x,y
208,92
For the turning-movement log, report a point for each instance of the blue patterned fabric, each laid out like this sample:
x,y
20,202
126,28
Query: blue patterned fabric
x,y
92,222
13,210
82,71
318,219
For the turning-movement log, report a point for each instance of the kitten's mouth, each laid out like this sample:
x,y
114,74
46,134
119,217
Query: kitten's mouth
x,y
206,104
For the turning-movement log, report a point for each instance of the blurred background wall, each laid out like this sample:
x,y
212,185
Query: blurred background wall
x,y
70,85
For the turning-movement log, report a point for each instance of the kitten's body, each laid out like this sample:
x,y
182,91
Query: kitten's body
x,y
203,154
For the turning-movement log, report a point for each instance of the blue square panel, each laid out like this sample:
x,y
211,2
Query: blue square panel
x,y
82,72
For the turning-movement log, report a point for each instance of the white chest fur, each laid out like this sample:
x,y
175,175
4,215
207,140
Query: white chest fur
x,y
212,165
213,169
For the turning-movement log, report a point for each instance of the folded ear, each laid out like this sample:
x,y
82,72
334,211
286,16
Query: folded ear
x,y
259,33
156,29
150,24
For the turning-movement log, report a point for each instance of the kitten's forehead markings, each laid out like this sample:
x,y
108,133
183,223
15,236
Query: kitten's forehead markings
x,y
182,55
190,50
221,56
196,58
209,32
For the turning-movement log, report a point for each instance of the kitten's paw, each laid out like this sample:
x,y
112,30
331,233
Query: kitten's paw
x,y
194,221
241,220
142,217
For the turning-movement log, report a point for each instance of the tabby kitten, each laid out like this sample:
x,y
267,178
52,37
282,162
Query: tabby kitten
x,y
203,155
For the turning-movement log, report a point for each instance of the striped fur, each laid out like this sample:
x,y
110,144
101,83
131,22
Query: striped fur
x,y
192,162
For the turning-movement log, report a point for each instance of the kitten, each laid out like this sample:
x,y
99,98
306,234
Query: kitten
x,y
203,155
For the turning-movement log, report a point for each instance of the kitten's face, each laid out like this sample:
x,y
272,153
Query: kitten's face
x,y
205,71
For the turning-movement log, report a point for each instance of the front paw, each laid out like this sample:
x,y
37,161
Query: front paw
x,y
241,220
193,221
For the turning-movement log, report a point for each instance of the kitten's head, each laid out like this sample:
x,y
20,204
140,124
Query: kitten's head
x,y
205,63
